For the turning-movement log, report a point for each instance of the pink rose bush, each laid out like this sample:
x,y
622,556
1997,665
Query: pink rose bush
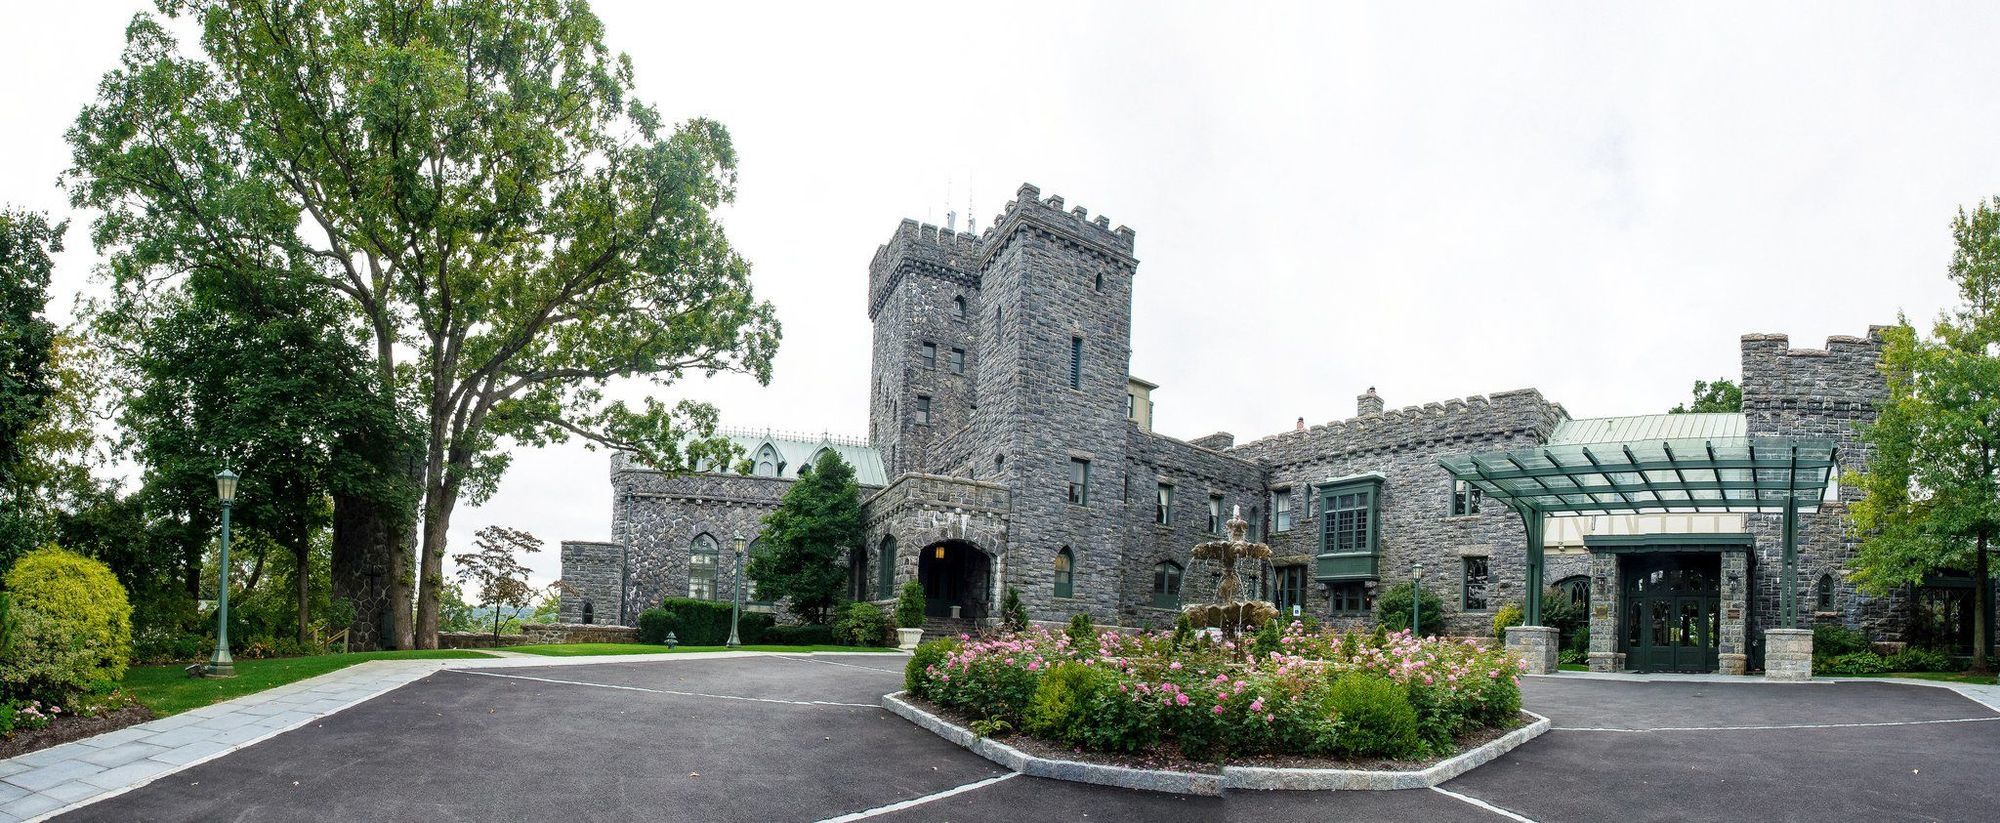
x,y
1290,690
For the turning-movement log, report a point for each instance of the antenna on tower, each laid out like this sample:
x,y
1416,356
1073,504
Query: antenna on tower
x,y
950,216
971,218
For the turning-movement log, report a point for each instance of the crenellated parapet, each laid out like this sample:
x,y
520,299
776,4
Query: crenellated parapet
x,y
1843,379
1467,420
1029,211
923,249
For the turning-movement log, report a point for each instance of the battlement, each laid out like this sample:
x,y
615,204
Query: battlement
x,y
1029,207
1454,419
924,248
1844,371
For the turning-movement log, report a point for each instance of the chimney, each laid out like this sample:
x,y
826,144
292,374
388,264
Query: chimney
x,y
1367,404
1299,426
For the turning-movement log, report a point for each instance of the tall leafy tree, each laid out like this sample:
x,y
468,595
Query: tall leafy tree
x,y
510,226
496,566
1723,395
27,378
814,526
1932,489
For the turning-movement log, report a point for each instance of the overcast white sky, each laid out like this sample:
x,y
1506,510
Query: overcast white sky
x,y
1438,200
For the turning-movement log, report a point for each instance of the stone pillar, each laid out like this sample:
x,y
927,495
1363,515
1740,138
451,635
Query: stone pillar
x,y
1787,654
1604,611
1535,644
1732,647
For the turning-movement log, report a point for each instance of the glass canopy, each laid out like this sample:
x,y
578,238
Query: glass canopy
x,y
1733,474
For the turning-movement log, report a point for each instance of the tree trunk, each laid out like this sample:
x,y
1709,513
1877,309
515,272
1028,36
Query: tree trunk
x,y
1982,607
371,570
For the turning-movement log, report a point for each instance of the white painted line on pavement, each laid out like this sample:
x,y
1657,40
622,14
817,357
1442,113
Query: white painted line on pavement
x,y
1482,804
843,665
919,801
1771,728
666,691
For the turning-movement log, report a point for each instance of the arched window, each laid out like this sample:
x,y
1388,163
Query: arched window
x,y
701,568
1823,593
1167,585
958,307
769,464
885,562
1576,588
588,617
1100,282
1065,573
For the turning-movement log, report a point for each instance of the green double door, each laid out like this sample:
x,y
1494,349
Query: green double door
x,y
1671,622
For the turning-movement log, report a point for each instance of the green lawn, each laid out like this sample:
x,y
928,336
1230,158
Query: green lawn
x,y
1948,677
168,690
585,649
1572,667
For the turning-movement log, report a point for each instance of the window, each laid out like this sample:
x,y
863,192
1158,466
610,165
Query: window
x,y
1079,481
928,354
1288,589
1464,498
701,568
1076,362
1473,596
1349,530
957,361
1215,514
1163,507
1576,588
923,410
1351,598
885,567
1167,585
1100,282
1131,407
958,308
589,616
1347,521
1065,581
768,462
1823,594
999,462
1281,510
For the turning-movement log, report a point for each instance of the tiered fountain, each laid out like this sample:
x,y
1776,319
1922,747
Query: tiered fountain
x,y
1229,613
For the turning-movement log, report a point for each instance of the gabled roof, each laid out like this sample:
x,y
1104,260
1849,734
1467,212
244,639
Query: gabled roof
x,y
795,451
1650,427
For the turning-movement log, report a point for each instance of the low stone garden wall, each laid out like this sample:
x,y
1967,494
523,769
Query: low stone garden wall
x,y
478,640
578,633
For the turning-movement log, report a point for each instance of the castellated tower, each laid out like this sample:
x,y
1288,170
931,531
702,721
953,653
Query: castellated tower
x,y
1055,345
923,297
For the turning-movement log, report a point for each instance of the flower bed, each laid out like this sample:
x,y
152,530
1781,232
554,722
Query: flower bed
x,y
1286,693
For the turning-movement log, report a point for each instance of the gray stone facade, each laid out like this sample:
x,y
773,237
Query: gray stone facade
x,y
1001,359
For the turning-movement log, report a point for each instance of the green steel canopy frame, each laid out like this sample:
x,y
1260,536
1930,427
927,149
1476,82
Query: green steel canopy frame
x,y
1774,475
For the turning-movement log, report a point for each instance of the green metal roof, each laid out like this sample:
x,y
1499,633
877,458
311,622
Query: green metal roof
x,y
796,450
1650,427
1724,473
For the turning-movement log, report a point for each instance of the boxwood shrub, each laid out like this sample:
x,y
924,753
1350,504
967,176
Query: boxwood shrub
x,y
69,627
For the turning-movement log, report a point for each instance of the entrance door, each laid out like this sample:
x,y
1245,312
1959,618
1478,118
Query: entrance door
x,y
954,573
1671,624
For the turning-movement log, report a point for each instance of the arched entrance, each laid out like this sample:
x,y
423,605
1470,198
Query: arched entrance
x,y
857,573
955,573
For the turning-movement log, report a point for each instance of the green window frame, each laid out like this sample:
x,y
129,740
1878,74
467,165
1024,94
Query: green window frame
x,y
1474,578
1215,514
701,568
1823,593
957,361
1079,481
1163,505
885,567
1465,498
1281,510
1065,573
1289,589
1350,598
1166,585
1350,530
923,410
928,354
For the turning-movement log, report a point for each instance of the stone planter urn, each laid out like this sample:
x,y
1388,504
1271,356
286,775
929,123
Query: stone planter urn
x,y
907,639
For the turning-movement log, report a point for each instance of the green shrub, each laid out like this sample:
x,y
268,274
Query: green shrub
x,y
1920,660
1013,615
699,622
1082,635
1183,629
1834,640
1269,638
805,635
910,606
1392,610
1850,663
1375,717
929,653
1057,709
860,623
1568,617
1508,616
655,624
69,627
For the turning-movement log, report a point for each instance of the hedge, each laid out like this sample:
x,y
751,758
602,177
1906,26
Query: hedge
x,y
69,627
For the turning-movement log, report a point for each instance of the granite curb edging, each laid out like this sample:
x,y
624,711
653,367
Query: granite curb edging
x,y
1259,778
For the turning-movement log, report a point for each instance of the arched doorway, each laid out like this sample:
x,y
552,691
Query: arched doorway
x,y
955,573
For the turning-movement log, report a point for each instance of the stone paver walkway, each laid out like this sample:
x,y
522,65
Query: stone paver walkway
x,y
44,783
1987,695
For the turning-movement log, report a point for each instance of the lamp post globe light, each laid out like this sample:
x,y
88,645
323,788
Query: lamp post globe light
x,y
736,604
1416,597
220,664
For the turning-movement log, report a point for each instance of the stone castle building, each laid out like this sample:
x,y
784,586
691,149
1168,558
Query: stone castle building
x,y
1010,446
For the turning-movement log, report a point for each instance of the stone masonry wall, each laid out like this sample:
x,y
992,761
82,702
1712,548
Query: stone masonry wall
x,y
658,516
594,572
919,511
913,285
1829,393
1196,474
1415,508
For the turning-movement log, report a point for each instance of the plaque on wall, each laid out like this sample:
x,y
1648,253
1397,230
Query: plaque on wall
x,y
1735,613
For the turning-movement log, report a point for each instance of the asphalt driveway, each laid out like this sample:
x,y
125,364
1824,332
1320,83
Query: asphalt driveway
x,y
800,739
